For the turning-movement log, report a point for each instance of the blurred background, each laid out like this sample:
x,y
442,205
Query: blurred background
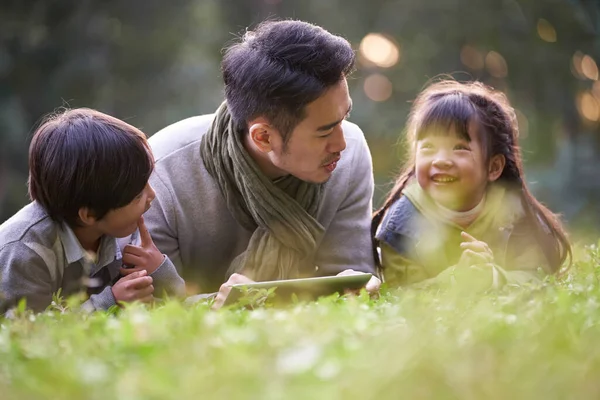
x,y
154,62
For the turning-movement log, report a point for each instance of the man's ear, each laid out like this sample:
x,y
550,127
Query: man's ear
x,y
496,167
262,135
86,216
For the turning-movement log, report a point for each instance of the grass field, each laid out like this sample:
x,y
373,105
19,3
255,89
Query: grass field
x,y
520,343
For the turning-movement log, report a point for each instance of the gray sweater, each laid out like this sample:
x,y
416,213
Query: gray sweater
x,y
189,220
39,256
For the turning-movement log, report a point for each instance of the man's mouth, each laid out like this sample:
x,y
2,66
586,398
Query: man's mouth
x,y
443,178
330,167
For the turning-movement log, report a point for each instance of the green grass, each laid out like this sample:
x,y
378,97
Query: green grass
x,y
520,343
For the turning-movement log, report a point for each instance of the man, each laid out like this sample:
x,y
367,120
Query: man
x,y
276,184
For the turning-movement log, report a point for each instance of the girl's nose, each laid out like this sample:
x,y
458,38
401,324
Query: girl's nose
x,y
442,163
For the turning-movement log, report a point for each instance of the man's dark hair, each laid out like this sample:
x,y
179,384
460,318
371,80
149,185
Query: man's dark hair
x,y
84,158
279,68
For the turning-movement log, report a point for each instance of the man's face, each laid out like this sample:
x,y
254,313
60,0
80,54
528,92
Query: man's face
x,y
316,143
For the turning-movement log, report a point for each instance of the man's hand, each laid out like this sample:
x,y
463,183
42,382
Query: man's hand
x,y
226,288
475,252
146,256
372,286
135,286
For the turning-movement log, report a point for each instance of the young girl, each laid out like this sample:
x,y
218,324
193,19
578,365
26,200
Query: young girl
x,y
460,212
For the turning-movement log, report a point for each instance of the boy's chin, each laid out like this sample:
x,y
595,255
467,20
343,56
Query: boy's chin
x,y
125,233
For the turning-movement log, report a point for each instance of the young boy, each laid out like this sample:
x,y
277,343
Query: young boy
x,y
88,182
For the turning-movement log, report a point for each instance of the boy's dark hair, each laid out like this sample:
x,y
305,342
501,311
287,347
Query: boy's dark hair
x,y
279,68
84,158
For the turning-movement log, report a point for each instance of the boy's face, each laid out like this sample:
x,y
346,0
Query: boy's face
x,y
452,170
316,143
123,221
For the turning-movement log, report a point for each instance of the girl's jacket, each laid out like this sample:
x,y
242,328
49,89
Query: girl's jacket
x,y
419,246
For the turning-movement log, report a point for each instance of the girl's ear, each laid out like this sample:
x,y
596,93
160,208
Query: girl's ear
x,y
496,167
86,216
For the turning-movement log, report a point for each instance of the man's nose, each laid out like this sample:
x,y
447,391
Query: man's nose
x,y
338,142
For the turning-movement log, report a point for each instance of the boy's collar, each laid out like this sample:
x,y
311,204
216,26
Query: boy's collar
x,y
107,251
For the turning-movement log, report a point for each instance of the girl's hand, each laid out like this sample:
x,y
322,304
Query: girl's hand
x,y
475,252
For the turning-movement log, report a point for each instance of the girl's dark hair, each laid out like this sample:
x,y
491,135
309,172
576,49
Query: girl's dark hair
x,y
84,158
279,68
451,106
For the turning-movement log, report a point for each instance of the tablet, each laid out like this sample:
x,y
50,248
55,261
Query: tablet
x,y
302,289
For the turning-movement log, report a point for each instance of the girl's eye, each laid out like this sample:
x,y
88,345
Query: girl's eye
x,y
461,147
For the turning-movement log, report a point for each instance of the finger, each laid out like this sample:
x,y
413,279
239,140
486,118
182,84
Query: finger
x,y
477,257
373,285
468,237
145,292
129,271
135,275
236,279
477,246
144,234
219,301
133,260
141,282
224,291
133,249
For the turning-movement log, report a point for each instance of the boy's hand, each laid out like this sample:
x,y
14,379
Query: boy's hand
x,y
135,286
144,257
475,252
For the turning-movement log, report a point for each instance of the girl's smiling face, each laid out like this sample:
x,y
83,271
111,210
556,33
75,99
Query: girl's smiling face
x,y
453,169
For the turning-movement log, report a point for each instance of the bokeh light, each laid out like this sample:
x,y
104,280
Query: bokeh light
x,y
496,65
589,68
378,87
380,50
471,57
546,31
588,106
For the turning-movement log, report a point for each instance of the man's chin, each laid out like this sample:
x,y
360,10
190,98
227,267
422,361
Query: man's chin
x,y
316,178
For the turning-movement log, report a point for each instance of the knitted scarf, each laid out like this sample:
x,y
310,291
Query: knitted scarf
x,y
280,213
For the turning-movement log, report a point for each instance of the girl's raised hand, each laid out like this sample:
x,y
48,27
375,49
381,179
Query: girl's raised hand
x,y
475,251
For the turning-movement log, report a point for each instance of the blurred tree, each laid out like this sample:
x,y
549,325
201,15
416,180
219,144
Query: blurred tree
x,y
123,58
154,62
